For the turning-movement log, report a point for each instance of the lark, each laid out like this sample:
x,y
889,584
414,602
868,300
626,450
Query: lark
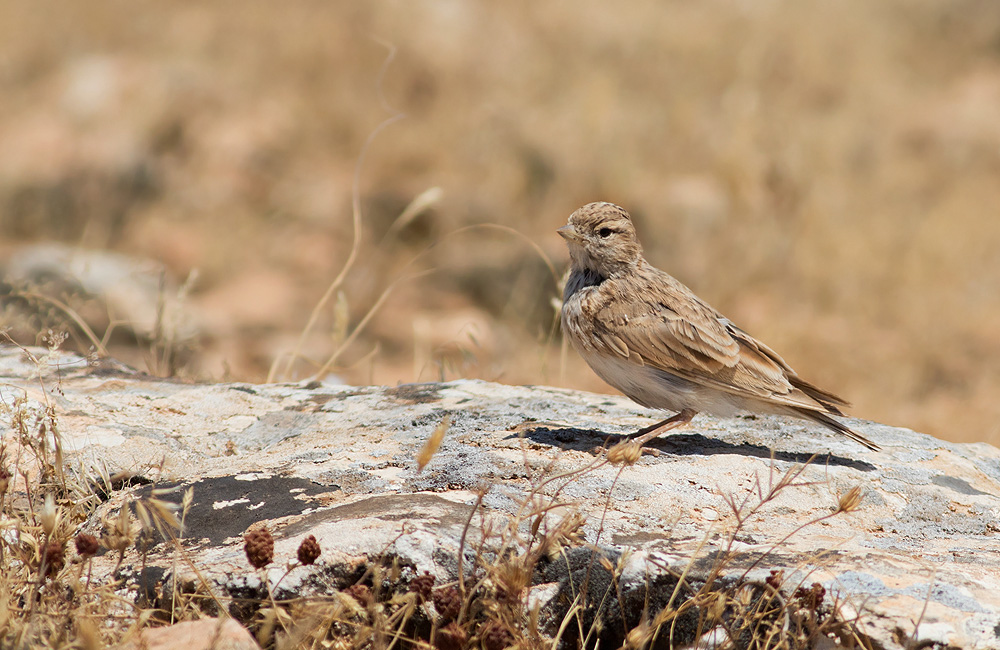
x,y
653,339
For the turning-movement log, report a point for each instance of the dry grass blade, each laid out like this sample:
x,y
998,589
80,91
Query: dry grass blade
x,y
356,331
355,242
73,315
416,207
433,443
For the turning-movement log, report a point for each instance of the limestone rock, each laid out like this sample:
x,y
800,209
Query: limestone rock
x,y
203,634
915,558
137,293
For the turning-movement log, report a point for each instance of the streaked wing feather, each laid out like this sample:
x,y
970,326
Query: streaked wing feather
x,y
839,427
670,328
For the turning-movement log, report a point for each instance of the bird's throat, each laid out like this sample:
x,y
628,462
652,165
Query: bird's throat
x,y
580,278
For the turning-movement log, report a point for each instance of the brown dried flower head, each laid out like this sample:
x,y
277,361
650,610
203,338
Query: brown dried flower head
x,y
451,637
811,598
775,578
495,636
259,547
447,602
360,593
422,585
87,545
53,558
309,550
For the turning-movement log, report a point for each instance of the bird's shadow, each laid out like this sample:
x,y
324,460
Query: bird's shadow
x,y
678,444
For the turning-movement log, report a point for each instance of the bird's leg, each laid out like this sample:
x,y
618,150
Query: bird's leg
x,y
642,436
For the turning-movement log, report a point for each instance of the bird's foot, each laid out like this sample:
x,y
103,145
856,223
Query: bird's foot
x,y
642,436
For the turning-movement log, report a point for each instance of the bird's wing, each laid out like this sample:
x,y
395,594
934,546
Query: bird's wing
x,y
661,323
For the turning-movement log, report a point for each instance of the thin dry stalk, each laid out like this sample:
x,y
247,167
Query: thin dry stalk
x,y
356,223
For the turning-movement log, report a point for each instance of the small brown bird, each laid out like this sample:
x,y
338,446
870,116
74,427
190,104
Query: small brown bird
x,y
650,337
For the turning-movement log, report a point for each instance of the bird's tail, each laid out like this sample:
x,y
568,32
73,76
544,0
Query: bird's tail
x,y
835,425
829,401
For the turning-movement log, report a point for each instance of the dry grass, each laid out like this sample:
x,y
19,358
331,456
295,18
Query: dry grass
x,y
824,173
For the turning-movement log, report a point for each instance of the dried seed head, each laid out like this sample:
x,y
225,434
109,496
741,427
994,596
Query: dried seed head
x,y
451,637
360,593
627,452
259,547
639,636
447,602
309,550
119,533
851,501
495,636
811,598
53,558
422,585
433,442
50,516
4,479
86,545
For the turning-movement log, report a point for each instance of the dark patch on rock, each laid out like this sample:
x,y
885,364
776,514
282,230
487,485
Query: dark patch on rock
x,y
956,484
319,399
119,481
150,581
246,602
613,607
747,560
415,393
433,418
650,540
359,391
389,507
331,577
244,389
243,502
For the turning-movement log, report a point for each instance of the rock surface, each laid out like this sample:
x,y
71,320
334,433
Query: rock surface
x,y
918,559
204,634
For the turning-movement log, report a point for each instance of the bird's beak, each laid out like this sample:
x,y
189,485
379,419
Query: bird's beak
x,y
568,233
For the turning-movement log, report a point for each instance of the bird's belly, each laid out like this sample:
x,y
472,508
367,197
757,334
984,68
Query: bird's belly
x,y
654,388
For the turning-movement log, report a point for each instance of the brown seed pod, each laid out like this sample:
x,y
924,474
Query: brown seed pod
x,y
447,602
360,593
495,636
53,558
259,547
309,550
87,545
422,585
451,637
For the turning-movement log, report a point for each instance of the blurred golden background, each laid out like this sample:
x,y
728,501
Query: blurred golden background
x,y
825,173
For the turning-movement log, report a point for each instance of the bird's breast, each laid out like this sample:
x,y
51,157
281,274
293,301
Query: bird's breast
x,y
581,278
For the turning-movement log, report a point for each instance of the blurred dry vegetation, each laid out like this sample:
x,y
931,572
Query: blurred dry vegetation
x,y
825,173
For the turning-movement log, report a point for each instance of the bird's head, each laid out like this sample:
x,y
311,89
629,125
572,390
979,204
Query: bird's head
x,y
601,238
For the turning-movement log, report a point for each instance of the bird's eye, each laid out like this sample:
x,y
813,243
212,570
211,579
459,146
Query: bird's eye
x,y
605,232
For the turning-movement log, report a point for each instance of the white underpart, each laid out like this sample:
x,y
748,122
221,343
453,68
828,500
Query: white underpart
x,y
659,389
